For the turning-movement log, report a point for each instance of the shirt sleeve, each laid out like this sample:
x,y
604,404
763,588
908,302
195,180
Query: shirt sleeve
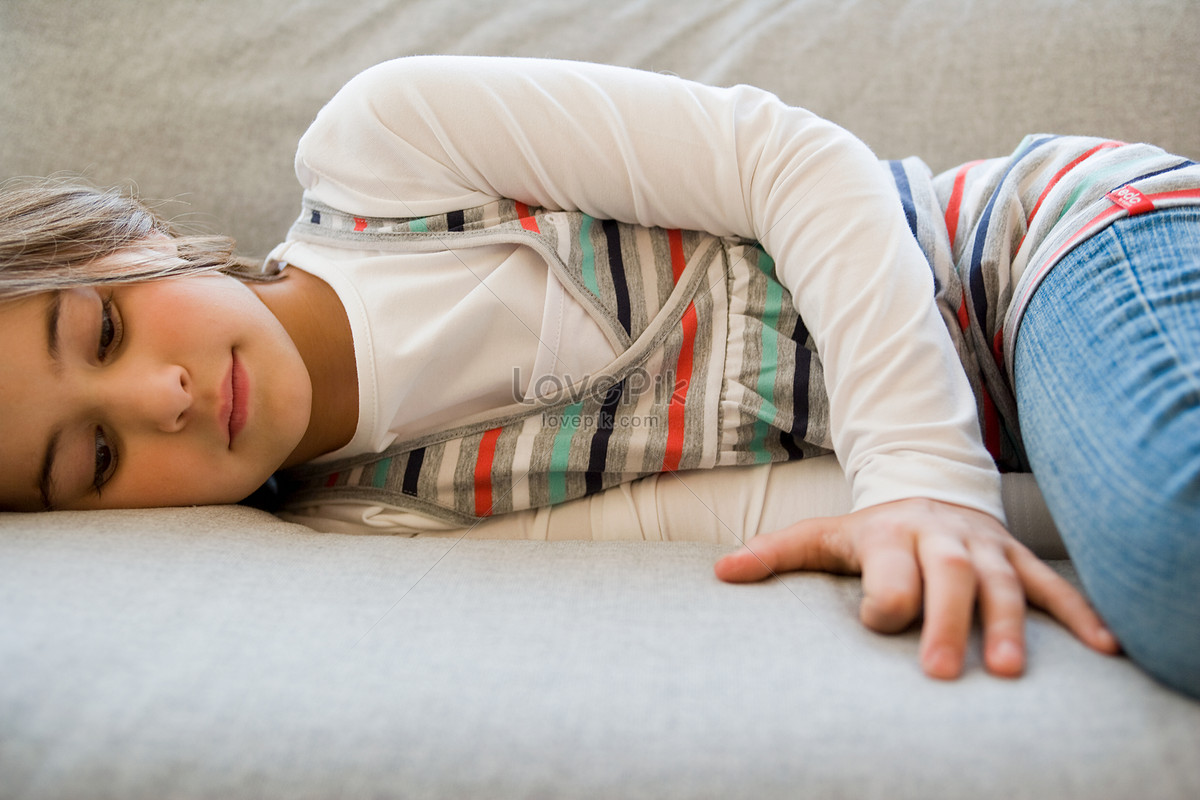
x,y
427,135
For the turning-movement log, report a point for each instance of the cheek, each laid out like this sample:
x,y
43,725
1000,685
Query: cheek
x,y
194,305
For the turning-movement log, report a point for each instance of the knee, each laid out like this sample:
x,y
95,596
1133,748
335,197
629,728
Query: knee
x,y
1133,534
1141,572
1157,623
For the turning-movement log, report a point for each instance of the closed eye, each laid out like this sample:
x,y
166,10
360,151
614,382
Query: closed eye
x,y
106,460
111,329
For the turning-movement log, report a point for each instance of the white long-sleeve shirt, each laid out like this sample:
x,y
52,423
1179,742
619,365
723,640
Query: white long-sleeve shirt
x,y
423,136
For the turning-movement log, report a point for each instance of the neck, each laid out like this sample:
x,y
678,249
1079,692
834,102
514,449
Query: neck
x,y
311,313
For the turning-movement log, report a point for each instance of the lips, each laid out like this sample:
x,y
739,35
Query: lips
x,y
235,394
241,395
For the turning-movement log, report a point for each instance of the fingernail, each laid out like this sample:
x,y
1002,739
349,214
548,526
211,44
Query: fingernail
x,y
1007,654
1106,639
942,662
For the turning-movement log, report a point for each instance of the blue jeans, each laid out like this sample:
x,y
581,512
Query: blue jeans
x,y
1107,367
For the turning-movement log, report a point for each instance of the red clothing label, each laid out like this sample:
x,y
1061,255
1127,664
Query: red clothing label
x,y
1131,200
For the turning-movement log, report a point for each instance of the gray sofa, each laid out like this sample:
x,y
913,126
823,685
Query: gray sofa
x,y
223,653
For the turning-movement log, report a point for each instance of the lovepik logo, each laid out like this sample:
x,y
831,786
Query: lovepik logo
x,y
549,388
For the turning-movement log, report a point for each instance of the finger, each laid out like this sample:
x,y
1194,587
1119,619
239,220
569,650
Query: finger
x,y
1052,593
810,544
891,583
1002,610
950,585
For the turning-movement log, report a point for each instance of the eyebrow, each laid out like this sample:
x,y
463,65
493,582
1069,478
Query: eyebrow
x,y
46,474
53,311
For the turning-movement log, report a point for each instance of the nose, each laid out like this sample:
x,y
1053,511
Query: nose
x,y
158,398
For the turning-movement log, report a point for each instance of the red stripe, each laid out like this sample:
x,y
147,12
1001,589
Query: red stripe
x,y
360,224
675,239
683,378
1058,176
964,320
683,366
331,481
991,426
527,220
1174,195
960,180
483,473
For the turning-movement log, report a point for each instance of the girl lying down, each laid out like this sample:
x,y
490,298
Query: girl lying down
x,y
514,284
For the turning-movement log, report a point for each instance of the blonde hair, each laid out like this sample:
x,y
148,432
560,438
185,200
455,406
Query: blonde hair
x,y
56,234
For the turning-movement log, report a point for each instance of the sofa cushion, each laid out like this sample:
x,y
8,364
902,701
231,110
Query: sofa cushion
x,y
222,653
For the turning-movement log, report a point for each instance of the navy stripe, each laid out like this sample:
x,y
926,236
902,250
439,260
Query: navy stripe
x,y
910,212
454,221
789,441
1182,165
412,471
975,275
906,198
616,266
800,381
598,456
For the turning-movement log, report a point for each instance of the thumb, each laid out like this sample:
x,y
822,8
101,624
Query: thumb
x,y
810,544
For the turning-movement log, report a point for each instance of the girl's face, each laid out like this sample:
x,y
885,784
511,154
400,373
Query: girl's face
x,y
173,392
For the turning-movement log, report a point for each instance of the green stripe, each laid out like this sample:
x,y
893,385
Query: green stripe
x,y
769,363
419,225
560,454
589,254
1103,175
379,479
